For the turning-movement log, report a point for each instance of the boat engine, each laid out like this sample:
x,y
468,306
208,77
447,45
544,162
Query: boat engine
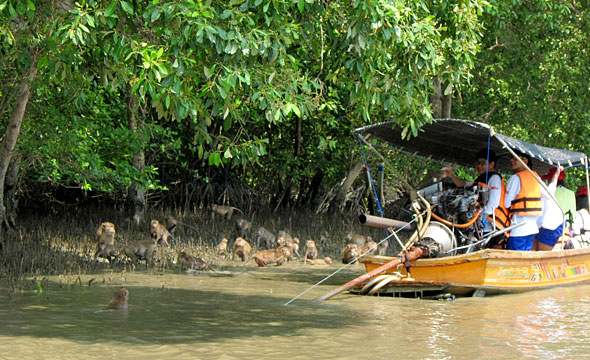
x,y
455,206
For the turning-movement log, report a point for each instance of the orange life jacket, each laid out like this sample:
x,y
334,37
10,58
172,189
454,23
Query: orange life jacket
x,y
528,200
501,215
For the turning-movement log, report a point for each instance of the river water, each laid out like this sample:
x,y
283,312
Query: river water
x,y
240,313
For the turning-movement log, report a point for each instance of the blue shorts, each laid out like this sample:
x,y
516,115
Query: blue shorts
x,y
523,243
550,237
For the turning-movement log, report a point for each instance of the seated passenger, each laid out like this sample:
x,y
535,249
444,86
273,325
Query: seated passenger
x,y
551,222
581,226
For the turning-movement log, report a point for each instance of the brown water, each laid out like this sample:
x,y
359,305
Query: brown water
x,y
239,313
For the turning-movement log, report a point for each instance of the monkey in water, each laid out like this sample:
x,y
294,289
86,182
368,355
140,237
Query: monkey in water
x,y
105,235
310,251
192,262
242,249
357,239
350,253
119,300
266,257
224,211
325,261
266,236
140,250
159,233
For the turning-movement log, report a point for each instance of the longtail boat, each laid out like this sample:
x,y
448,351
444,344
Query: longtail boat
x,y
447,253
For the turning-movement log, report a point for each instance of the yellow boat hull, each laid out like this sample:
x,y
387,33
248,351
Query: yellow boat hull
x,y
490,270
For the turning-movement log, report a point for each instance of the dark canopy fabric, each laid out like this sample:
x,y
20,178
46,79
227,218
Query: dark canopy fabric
x,y
457,141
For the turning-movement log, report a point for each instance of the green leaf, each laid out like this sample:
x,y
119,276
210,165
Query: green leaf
x,y
126,7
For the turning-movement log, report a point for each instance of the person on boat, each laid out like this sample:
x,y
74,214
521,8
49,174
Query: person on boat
x,y
551,222
523,200
496,215
581,226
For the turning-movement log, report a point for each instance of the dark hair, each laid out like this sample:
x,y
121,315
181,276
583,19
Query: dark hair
x,y
526,156
483,154
582,202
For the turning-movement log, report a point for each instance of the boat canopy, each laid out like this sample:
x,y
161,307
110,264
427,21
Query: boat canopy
x,y
458,141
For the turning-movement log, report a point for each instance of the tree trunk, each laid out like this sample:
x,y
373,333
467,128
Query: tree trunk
x,y
436,99
10,189
12,132
136,192
297,149
340,198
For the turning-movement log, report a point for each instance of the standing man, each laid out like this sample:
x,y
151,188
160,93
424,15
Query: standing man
x,y
494,210
523,198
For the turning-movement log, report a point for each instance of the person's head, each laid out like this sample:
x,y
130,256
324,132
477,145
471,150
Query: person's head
x,y
582,198
516,165
482,164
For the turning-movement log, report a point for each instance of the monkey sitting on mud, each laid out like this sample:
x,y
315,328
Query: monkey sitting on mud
x,y
105,236
357,239
369,248
292,245
192,262
325,261
224,211
140,250
109,252
243,226
119,300
266,257
310,251
159,233
266,236
350,253
222,247
242,249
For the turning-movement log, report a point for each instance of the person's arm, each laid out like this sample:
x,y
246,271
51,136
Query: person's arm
x,y
456,180
494,193
512,189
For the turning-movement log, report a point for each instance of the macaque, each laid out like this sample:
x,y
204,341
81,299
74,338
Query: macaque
x,y
382,248
368,248
159,233
109,252
243,226
286,252
267,236
292,244
105,235
224,211
171,224
350,253
310,251
358,239
266,257
119,300
324,236
140,250
222,247
325,261
242,249
192,262
285,235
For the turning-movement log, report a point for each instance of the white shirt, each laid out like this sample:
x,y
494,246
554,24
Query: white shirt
x,y
581,221
494,194
552,215
530,222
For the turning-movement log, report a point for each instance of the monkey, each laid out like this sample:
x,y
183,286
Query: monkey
x,y
350,253
242,249
243,226
192,262
266,257
159,233
370,247
119,300
358,239
325,261
285,235
140,250
105,235
310,251
286,252
109,252
223,211
222,247
171,224
267,236
324,236
293,246
382,248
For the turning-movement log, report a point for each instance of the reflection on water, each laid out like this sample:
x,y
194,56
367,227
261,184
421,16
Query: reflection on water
x,y
242,316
